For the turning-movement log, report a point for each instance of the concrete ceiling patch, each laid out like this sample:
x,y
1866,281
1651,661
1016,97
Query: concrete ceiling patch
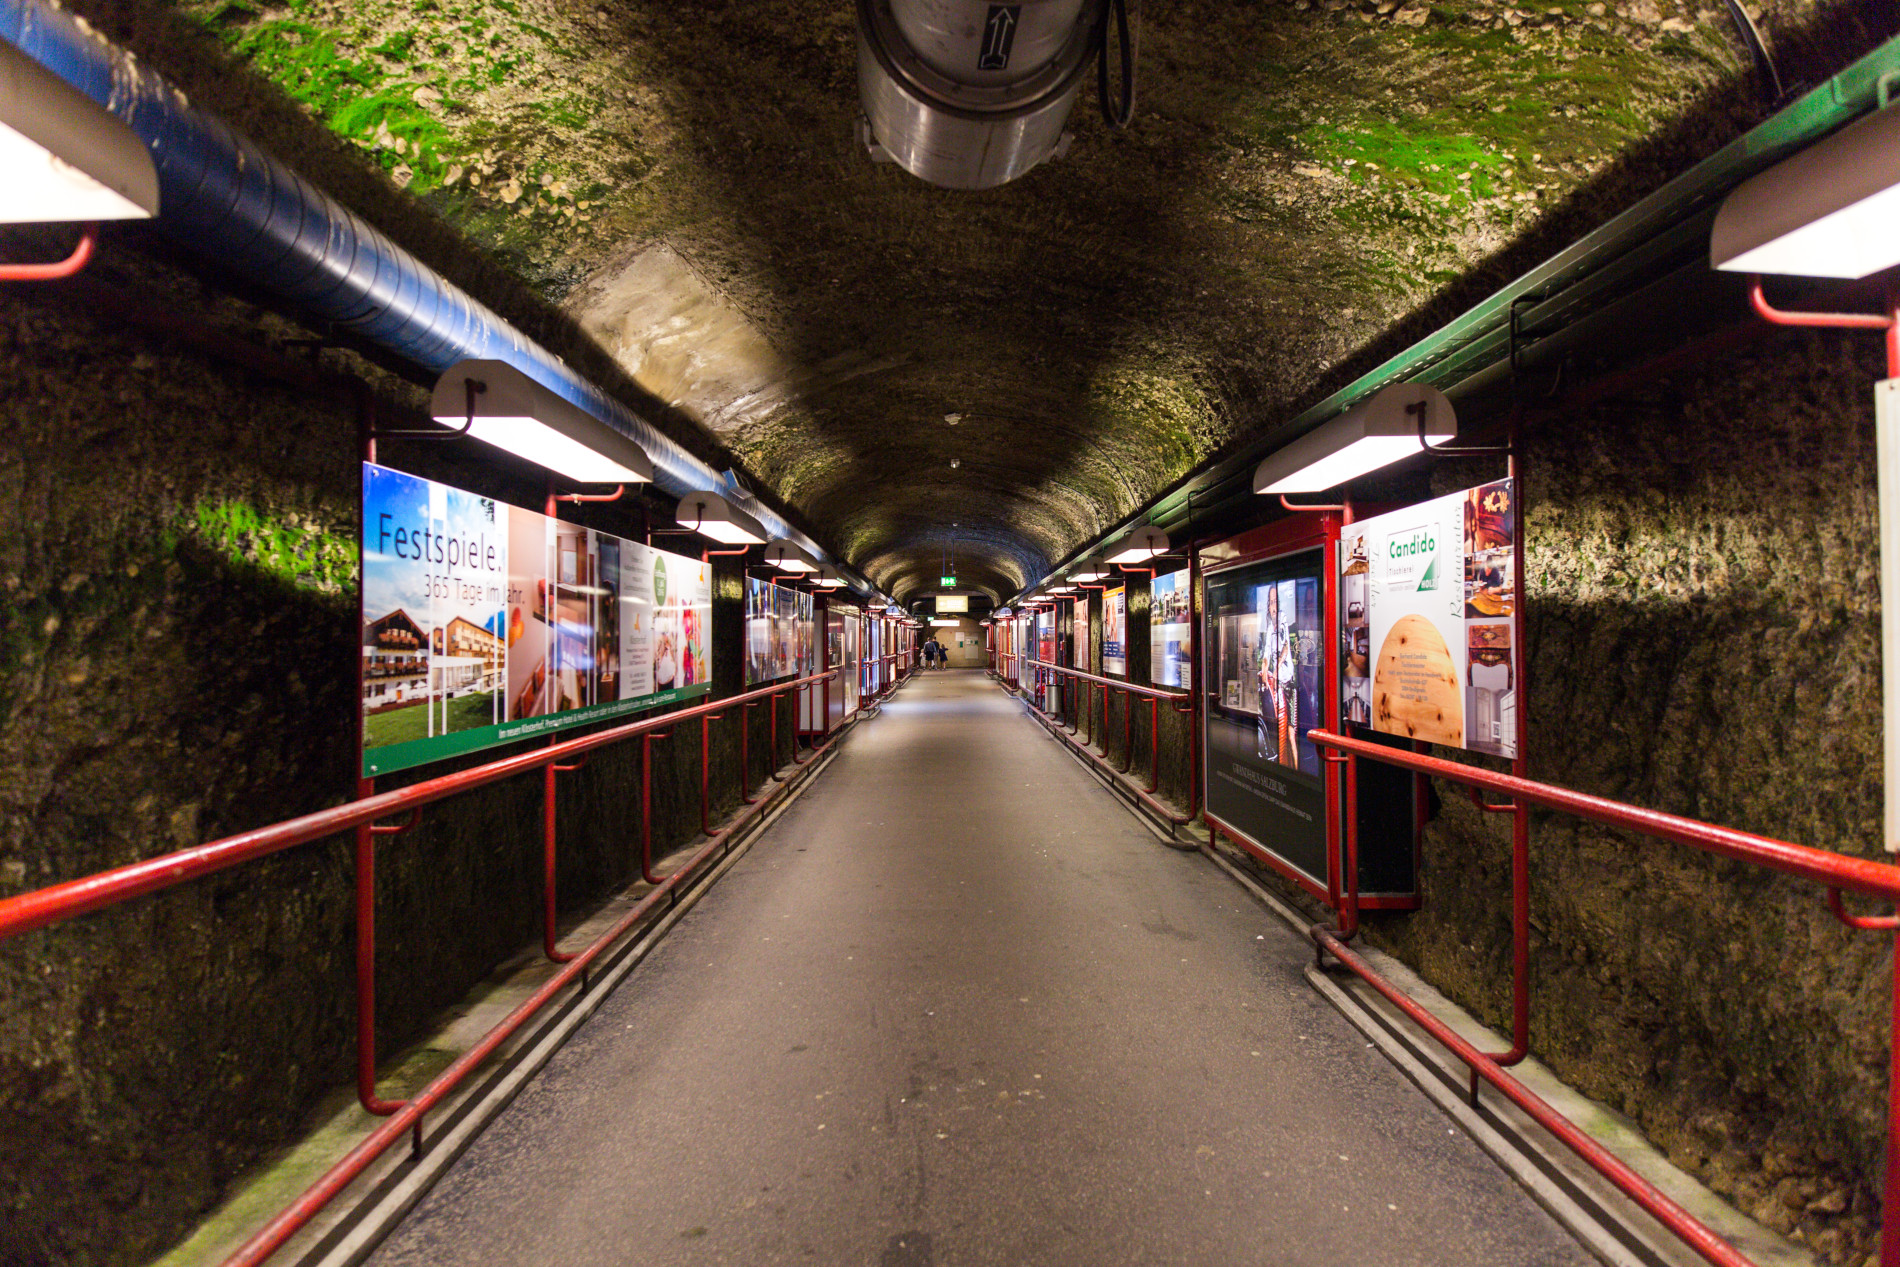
x,y
683,341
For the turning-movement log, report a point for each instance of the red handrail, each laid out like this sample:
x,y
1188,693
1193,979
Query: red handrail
x,y
25,912
29,911
1858,875
1836,872
1154,696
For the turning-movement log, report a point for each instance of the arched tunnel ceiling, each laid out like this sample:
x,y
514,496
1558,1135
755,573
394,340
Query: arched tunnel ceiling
x,y
684,180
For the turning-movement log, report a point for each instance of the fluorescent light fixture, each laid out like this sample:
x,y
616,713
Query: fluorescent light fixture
x,y
828,579
943,622
1002,613
1832,210
1376,432
894,610
1089,569
1139,546
787,557
65,156
1062,589
515,413
711,515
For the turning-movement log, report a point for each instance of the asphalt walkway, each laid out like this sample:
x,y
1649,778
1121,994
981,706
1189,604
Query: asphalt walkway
x,y
958,1006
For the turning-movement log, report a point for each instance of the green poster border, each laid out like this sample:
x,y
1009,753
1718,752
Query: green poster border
x,y
395,757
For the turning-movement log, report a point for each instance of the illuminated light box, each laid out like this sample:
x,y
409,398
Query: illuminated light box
x,y
1139,546
711,515
953,602
66,157
1831,210
516,414
1375,433
788,557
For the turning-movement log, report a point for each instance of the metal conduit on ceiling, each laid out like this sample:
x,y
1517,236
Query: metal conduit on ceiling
x,y
1640,257
221,195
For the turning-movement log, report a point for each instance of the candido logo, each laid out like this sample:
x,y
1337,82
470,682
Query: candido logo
x,y
1407,549
659,582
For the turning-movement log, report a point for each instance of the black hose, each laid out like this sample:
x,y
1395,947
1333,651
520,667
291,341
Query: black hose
x,y
1751,40
1117,115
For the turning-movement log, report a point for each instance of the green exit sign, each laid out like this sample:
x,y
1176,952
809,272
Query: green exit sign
x,y
948,580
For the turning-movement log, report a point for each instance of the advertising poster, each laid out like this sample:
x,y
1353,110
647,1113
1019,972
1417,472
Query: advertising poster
x,y
779,635
1262,687
1429,620
1170,636
1081,645
1115,633
484,623
1046,636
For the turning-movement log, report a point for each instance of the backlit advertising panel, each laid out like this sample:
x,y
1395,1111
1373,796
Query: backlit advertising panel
x,y
780,633
1170,636
1115,632
485,623
1429,619
1262,626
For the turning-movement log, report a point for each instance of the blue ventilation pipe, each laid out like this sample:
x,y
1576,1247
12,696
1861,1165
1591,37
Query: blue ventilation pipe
x,y
222,195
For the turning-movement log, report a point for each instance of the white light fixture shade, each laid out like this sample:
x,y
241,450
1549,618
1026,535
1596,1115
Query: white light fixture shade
x,y
1376,432
944,622
711,515
65,156
828,579
787,557
1062,589
1092,569
515,413
1832,210
1139,546
1002,613
894,610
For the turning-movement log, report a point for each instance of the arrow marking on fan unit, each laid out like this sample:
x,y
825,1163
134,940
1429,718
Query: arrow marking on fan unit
x,y
999,33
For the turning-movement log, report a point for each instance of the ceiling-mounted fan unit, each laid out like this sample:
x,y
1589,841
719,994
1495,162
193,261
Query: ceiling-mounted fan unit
x,y
969,95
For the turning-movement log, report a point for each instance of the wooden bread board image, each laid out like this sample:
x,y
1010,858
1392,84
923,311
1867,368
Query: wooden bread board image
x,y
1416,691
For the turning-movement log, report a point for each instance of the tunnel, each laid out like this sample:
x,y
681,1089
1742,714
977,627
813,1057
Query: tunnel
x,y
930,632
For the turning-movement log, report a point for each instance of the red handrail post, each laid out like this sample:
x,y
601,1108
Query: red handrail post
x,y
772,699
1154,744
1128,733
1349,918
705,775
646,806
366,834
745,756
549,926
1890,1205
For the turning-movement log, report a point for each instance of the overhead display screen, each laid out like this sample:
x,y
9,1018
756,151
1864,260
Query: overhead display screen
x,y
947,603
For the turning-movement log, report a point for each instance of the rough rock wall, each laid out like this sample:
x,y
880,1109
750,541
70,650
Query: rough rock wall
x,y
179,626
1704,637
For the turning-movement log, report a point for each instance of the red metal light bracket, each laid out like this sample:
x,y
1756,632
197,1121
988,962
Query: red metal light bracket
x,y
1888,322
59,271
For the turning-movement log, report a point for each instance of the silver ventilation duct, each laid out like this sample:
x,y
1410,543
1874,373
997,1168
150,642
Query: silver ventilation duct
x,y
967,94
222,194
